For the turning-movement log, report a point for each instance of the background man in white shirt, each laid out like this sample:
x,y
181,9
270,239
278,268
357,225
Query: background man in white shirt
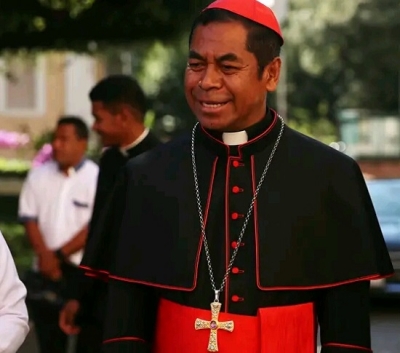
x,y
55,206
13,313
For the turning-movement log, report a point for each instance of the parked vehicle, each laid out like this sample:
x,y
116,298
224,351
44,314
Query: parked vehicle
x,y
385,195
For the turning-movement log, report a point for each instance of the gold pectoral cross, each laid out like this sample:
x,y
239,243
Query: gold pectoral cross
x,y
214,325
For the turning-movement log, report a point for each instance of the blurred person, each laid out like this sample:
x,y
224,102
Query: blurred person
x,y
245,235
55,206
13,313
119,107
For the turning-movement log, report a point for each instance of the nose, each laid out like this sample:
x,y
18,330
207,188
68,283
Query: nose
x,y
211,78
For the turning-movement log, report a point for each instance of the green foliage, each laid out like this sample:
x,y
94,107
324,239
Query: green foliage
x,y
160,72
343,54
322,129
42,139
18,243
149,119
74,7
14,166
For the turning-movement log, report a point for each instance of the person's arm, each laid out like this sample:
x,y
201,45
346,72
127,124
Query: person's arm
x,y
13,312
76,243
34,235
344,318
28,213
130,319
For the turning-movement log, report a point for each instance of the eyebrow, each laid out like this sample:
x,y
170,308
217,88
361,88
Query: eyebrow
x,y
226,57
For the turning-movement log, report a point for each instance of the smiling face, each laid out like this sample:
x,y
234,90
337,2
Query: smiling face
x,y
223,86
107,125
68,147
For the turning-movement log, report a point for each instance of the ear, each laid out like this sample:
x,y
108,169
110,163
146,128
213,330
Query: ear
x,y
271,74
84,144
129,114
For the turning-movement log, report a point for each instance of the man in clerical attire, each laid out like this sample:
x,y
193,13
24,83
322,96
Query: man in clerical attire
x,y
118,107
245,235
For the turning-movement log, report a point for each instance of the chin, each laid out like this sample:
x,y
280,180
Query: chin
x,y
106,142
216,124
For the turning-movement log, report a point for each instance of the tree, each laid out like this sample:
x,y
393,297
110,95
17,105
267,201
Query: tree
x,y
343,54
371,54
73,24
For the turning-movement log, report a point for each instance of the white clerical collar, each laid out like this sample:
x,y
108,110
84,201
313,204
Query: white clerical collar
x,y
124,150
235,138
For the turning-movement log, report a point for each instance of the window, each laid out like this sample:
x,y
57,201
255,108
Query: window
x,y
22,86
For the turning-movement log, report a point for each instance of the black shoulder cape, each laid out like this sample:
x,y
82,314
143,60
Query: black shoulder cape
x,y
315,224
108,201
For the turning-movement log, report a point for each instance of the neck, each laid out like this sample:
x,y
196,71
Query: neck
x,y
66,168
236,137
239,136
131,136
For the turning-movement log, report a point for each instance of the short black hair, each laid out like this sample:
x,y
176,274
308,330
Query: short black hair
x,y
116,89
81,128
263,42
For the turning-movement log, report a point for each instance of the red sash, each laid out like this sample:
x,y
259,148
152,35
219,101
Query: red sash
x,y
284,329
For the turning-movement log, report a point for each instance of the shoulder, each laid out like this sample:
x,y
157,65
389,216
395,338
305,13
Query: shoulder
x,y
44,170
88,173
4,251
309,149
161,157
87,176
91,167
152,139
108,153
14,312
8,268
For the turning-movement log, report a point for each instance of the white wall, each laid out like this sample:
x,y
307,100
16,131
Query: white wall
x,y
80,77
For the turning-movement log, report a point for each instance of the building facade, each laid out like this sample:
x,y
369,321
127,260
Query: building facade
x,y
36,91
373,140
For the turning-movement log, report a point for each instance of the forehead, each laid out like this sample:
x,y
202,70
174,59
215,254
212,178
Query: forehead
x,y
219,38
65,129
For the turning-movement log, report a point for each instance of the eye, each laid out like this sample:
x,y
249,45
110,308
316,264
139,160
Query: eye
x,y
195,66
228,67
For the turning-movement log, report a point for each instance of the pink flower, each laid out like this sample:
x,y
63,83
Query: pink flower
x,y
13,140
44,155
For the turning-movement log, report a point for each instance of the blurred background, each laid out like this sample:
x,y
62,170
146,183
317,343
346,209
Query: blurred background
x,y
340,84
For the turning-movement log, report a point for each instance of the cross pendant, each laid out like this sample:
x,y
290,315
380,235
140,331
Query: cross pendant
x,y
214,325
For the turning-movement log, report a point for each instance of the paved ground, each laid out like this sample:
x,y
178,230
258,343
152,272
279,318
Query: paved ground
x,y
385,330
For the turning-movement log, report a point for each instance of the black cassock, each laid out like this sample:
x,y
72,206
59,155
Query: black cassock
x,y
89,292
309,251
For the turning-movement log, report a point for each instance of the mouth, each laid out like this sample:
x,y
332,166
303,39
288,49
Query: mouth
x,y
212,105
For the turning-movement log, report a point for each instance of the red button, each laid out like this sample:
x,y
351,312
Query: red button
x,y
235,215
236,298
235,270
235,164
234,243
235,189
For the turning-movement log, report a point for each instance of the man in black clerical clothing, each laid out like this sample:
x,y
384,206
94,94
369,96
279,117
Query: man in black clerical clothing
x,y
273,231
118,107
